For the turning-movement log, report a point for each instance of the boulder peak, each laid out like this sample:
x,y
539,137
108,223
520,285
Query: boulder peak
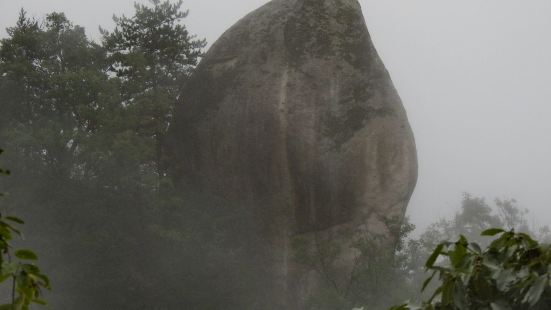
x,y
292,116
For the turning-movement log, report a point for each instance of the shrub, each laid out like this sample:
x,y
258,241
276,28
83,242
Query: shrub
x,y
512,273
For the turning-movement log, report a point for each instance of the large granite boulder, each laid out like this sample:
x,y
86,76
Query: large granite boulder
x,y
292,117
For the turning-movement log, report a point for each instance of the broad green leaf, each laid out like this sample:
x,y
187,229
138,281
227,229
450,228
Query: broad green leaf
x,y
492,232
15,219
458,253
448,289
434,256
5,232
534,293
26,254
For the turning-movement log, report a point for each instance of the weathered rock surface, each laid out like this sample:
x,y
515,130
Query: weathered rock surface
x,y
292,116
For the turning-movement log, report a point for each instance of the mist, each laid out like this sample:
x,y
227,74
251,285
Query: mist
x,y
473,77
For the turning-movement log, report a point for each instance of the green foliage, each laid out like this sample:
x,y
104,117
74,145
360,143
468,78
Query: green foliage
x,y
85,125
474,217
152,54
512,273
58,104
380,277
26,279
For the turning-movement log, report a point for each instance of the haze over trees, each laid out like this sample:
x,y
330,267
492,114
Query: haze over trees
x,y
381,279
84,126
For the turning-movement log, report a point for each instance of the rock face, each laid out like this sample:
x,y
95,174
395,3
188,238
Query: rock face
x,y
293,117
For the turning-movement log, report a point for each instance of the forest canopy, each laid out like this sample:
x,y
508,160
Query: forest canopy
x,y
83,125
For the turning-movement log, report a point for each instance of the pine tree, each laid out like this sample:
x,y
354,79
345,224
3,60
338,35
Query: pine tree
x,y
152,53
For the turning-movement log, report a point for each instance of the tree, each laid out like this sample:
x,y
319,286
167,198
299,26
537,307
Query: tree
x,y
475,216
53,91
152,54
511,215
57,98
85,141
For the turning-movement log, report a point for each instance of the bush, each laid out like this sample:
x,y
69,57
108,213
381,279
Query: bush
x,y
512,273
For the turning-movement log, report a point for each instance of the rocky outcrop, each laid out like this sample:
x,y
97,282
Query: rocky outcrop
x,y
292,116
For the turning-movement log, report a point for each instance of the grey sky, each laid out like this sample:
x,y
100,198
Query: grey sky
x,y
474,75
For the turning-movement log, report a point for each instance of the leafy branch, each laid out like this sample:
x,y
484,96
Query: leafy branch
x,y
27,281
512,273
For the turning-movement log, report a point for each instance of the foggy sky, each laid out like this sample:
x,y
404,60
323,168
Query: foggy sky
x,y
474,75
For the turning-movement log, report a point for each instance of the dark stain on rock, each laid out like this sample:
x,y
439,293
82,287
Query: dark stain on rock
x,y
341,128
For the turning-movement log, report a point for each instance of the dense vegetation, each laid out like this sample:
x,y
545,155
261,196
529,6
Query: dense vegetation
x,y
513,272
381,279
83,125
